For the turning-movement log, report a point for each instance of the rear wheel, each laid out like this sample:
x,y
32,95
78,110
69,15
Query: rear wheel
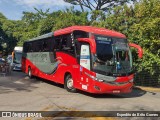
x,y
69,84
30,73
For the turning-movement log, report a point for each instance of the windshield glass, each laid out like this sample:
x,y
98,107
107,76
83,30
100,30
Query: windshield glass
x,y
17,57
112,56
9,59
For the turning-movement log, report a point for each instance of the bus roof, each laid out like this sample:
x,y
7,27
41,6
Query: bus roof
x,y
95,30
41,37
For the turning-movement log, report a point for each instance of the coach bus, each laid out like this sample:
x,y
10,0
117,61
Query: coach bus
x,y
95,60
16,58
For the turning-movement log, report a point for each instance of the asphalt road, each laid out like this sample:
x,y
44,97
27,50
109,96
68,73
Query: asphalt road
x,y
19,93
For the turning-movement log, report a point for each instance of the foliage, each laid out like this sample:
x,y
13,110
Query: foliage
x,y
147,32
141,25
139,22
7,41
103,5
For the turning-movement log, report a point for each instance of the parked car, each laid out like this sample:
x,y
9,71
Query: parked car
x,y
1,59
9,59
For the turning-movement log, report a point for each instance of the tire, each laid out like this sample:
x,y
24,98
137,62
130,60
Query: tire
x,y
68,85
30,73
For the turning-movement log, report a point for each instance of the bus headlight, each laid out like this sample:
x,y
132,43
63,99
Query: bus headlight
x,y
94,78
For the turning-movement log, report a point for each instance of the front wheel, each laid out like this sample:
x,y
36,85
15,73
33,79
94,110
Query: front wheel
x,y
69,84
29,73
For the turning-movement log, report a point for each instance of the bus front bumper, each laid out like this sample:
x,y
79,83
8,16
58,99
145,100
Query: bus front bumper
x,y
102,87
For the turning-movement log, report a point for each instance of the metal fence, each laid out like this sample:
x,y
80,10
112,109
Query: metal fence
x,y
145,78
142,78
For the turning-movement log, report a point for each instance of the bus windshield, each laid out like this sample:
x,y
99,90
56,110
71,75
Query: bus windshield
x,y
112,56
17,57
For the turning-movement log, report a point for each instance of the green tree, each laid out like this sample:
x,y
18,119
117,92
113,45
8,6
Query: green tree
x,y
146,33
103,5
7,41
61,19
141,25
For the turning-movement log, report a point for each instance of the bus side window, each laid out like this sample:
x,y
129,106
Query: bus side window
x,y
25,46
40,46
30,47
48,45
34,46
64,44
78,48
52,44
67,44
45,46
57,43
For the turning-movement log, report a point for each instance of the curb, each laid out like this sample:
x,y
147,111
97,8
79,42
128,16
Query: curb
x,y
151,89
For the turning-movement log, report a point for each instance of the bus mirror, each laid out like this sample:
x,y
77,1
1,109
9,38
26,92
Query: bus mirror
x,y
140,50
91,42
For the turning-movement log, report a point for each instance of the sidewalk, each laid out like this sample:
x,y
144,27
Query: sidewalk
x,y
151,89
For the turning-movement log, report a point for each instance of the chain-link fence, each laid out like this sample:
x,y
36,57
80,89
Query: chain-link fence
x,y
145,78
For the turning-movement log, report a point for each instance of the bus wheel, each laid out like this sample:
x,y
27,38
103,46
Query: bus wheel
x,y
29,73
69,84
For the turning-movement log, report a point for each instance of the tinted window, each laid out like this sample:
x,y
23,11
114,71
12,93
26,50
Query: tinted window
x,y
80,34
65,43
104,48
58,43
25,47
30,49
43,45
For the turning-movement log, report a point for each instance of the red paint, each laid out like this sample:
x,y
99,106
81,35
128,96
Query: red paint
x,y
140,50
91,42
69,64
89,29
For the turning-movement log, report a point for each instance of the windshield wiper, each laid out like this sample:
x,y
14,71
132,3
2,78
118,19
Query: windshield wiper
x,y
99,61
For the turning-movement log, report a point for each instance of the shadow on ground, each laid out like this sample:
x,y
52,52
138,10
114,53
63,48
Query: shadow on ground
x,y
136,92
17,81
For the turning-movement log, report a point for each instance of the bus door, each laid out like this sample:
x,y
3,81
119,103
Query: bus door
x,y
85,65
85,60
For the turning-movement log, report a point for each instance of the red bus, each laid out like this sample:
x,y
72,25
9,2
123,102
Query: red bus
x,y
95,60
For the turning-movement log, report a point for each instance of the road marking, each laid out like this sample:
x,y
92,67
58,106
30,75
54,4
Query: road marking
x,y
18,82
104,118
47,108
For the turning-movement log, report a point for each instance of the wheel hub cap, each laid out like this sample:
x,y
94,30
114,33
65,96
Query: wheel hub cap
x,y
70,83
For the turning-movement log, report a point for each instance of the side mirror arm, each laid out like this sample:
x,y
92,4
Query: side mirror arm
x,y
140,50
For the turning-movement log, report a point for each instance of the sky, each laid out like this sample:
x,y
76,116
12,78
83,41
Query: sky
x,y
13,9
